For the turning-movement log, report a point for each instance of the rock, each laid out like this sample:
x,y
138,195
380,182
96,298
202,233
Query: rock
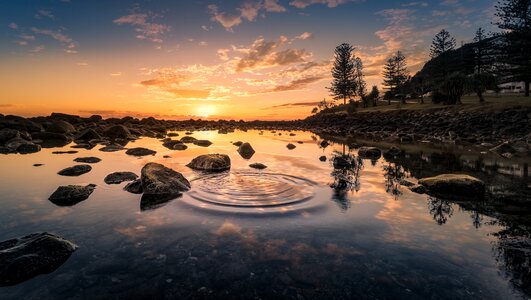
x,y
38,253
140,151
188,139
117,131
369,152
203,143
292,134
65,152
393,151
172,134
27,148
71,194
7,134
119,177
88,160
341,163
258,166
322,158
174,145
246,150
166,156
38,165
159,180
324,144
449,185
75,170
134,187
61,126
210,162
112,148
50,136
238,143
406,182
290,146
419,189
87,135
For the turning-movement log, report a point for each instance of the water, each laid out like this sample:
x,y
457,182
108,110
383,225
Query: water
x,y
298,229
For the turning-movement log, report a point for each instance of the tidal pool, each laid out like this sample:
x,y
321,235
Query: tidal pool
x,y
297,229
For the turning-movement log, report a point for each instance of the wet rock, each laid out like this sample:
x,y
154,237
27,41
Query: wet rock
x,y
61,126
160,180
87,135
7,134
117,131
27,148
65,152
258,166
88,160
322,158
419,189
172,134
51,136
246,150
341,163
369,152
450,185
290,146
393,151
38,165
150,202
203,143
119,177
71,194
406,182
139,151
112,148
238,143
134,187
75,170
324,144
174,145
26,257
188,139
210,162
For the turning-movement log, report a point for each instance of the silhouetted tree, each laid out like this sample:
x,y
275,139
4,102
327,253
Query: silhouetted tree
x,y
361,86
482,79
395,74
515,20
344,82
442,43
373,96
441,210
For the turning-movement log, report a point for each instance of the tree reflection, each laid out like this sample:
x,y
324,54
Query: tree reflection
x,y
440,209
346,175
394,173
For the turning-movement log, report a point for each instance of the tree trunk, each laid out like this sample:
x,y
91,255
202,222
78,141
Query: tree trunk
x,y
480,95
527,88
344,100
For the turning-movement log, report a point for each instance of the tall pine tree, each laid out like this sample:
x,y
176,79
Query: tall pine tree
x,y
395,74
343,72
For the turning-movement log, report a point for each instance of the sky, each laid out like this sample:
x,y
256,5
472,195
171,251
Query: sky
x,y
176,59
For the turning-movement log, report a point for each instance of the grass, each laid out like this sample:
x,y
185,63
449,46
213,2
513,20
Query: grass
x,y
470,103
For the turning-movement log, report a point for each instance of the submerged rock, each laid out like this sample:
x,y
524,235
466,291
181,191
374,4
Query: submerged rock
x,y
449,185
210,162
134,187
160,180
290,146
88,160
258,166
140,151
246,150
174,145
322,158
65,152
369,152
203,143
238,143
119,177
26,257
188,139
112,148
75,170
71,194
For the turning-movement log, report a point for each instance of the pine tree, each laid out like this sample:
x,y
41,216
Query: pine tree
x,y
515,20
361,86
344,83
442,43
395,74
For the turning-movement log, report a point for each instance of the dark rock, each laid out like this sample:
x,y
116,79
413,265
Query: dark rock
x,y
134,187
140,151
210,162
203,143
246,150
50,136
238,143
38,253
75,170
322,158
393,151
369,152
71,194
188,139
87,135
258,166
7,134
60,126
38,165
341,163
65,152
174,145
88,160
119,177
112,148
406,182
450,185
172,134
117,131
324,144
159,180
27,148
419,189
290,146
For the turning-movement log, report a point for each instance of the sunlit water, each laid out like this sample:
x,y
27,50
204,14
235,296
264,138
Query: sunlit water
x,y
297,229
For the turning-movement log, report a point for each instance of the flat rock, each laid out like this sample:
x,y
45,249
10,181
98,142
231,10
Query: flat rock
x,y
26,257
140,151
112,148
160,180
210,162
75,170
258,166
203,143
246,150
174,145
71,194
188,139
65,152
450,185
134,187
119,177
88,159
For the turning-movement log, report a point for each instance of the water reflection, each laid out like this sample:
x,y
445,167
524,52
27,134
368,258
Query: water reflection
x,y
346,176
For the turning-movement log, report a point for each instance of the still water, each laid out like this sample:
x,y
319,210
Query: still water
x,y
298,229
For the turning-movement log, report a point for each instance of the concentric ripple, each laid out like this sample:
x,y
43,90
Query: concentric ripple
x,y
254,191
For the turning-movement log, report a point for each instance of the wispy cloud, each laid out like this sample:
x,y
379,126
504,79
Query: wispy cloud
x,y
248,10
329,3
44,14
58,35
144,26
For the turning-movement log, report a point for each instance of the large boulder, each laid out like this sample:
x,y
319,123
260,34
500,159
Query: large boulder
x,y
160,180
117,132
246,150
210,162
51,136
26,257
134,187
452,185
174,145
75,170
88,134
119,177
7,134
71,194
139,151
61,126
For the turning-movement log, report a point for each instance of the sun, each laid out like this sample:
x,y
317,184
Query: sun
x,y
206,111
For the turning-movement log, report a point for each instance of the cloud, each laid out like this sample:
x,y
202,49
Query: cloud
x,y
143,25
116,74
227,21
44,14
329,3
13,25
273,6
6,105
57,35
304,36
37,49
288,105
298,84
248,10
